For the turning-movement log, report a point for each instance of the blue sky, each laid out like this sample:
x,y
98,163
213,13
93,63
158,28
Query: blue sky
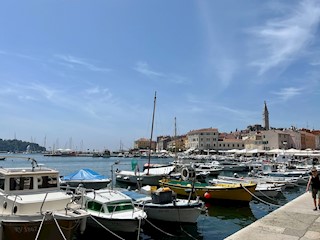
x,y
84,73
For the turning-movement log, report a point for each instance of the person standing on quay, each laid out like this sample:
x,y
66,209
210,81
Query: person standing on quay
x,y
314,181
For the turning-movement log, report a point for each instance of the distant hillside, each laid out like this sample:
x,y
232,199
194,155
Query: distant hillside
x,y
19,146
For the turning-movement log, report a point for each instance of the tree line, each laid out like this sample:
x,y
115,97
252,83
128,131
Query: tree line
x,y
15,145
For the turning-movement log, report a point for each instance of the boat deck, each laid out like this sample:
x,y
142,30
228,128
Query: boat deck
x,y
295,220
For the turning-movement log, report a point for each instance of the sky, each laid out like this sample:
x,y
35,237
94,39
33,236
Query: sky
x,y
83,74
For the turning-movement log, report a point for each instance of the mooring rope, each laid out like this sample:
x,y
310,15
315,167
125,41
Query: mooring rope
x,y
104,227
40,227
265,202
139,229
55,220
169,234
266,196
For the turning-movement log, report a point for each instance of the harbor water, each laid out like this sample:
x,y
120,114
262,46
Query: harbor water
x,y
220,221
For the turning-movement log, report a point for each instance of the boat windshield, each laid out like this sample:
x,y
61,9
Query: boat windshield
x,y
120,206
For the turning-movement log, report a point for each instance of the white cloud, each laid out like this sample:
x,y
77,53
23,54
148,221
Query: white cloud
x,y
285,39
143,68
72,61
226,69
287,93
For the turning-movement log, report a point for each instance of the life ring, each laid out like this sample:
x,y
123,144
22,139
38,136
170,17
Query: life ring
x,y
187,173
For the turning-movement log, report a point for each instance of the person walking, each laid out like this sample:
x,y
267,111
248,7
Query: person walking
x,y
314,181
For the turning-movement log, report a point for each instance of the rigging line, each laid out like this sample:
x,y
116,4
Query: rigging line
x,y
265,202
169,234
55,220
104,227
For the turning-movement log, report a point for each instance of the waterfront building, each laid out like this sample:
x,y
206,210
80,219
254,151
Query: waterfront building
x,y
308,139
178,143
162,142
275,139
295,138
229,144
203,139
144,143
317,138
254,140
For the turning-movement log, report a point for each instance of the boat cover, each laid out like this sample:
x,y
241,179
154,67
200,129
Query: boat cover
x,y
83,174
134,195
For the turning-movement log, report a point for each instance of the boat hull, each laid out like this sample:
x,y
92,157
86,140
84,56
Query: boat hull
x,y
233,192
152,180
28,229
116,225
87,184
182,214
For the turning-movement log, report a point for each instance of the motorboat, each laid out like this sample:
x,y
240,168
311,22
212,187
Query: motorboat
x,y
113,210
87,178
32,206
163,206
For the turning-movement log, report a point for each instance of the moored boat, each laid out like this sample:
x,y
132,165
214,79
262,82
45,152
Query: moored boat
x,y
220,191
113,210
32,206
162,206
87,177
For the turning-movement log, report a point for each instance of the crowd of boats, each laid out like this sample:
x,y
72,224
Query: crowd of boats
x,y
37,203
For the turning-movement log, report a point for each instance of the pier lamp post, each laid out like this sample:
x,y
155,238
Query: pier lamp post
x,y
115,163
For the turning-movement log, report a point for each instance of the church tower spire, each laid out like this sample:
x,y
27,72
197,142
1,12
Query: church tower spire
x,y
266,117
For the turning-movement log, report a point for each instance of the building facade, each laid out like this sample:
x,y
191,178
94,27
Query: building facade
x,y
203,139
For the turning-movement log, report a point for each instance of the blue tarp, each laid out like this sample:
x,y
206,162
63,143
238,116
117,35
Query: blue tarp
x,y
84,174
134,195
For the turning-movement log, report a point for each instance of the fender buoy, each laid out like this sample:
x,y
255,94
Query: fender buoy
x,y
207,195
187,173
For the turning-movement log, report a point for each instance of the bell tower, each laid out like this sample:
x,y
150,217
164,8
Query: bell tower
x,y
265,117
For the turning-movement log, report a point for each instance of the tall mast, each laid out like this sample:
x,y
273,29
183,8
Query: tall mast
x,y
175,138
150,144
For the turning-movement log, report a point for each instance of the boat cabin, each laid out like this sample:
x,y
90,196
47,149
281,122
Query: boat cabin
x,y
17,180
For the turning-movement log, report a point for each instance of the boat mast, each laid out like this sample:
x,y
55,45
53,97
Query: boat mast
x,y
175,139
150,144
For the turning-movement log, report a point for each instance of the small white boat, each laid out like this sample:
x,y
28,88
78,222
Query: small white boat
x,y
147,177
32,206
163,207
230,166
213,170
112,210
262,189
267,190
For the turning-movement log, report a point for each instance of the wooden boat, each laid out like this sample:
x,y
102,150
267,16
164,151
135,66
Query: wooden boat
x,y
219,191
32,206
113,210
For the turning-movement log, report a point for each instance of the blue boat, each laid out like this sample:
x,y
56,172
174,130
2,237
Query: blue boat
x,y
87,177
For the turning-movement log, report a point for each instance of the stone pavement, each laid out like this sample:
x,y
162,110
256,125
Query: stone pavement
x,y
295,220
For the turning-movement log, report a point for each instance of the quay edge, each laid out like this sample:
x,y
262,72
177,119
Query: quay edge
x,y
294,220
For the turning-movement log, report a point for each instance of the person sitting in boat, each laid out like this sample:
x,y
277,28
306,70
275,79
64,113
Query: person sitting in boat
x,y
314,181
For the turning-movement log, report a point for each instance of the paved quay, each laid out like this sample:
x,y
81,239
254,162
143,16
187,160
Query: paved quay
x,y
294,220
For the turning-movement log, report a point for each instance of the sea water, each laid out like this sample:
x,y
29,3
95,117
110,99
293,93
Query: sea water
x,y
220,220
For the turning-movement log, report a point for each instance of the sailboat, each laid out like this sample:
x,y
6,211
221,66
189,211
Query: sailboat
x,y
150,176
